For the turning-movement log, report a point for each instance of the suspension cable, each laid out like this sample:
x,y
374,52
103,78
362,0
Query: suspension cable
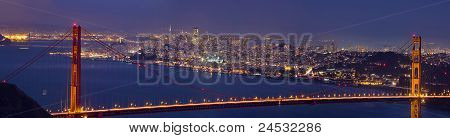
x,y
33,60
402,48
106,46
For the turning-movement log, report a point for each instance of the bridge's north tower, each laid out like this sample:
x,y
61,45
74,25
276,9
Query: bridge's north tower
x,y
75,82
416,75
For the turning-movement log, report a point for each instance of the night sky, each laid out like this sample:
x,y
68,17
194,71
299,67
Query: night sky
x,y
370,22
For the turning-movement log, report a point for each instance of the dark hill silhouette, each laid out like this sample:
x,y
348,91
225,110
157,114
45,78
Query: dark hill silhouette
x,y
16,104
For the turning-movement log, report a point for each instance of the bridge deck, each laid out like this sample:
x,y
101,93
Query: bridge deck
x,y
235,104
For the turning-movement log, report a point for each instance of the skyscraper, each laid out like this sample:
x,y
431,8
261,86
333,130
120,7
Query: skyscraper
x,y
195,36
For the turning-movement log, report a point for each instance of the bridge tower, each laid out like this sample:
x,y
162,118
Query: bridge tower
x,y
416,68
75,81
416,75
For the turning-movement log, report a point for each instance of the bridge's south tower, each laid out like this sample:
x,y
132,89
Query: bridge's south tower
x,y
416,75
75,82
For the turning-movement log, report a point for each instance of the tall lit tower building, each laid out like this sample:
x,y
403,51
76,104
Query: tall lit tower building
x,y
195,36
195,31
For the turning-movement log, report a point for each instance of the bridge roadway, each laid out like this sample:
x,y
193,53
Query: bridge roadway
x,y
238,104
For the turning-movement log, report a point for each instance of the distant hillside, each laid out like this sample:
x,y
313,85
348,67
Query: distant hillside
x,y
26,28
16,104
4,40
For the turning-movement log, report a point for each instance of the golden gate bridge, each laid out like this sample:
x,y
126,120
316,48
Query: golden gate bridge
x,y
415,96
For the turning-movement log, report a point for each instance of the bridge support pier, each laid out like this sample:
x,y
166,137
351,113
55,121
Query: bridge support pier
x,y
415,108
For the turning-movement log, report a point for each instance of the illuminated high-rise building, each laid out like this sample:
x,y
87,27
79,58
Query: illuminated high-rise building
x,y
195,36
195,31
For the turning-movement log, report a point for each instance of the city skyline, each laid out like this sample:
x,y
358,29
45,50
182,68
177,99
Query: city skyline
x,y
325,55
224,68
352,22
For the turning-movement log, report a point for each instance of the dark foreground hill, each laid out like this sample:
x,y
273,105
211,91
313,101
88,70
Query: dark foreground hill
x,y
15,103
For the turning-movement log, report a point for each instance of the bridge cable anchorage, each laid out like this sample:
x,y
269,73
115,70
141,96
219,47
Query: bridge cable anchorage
x,y
30,62
106,46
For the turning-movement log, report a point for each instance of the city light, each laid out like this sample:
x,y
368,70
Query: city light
x,y
374,74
